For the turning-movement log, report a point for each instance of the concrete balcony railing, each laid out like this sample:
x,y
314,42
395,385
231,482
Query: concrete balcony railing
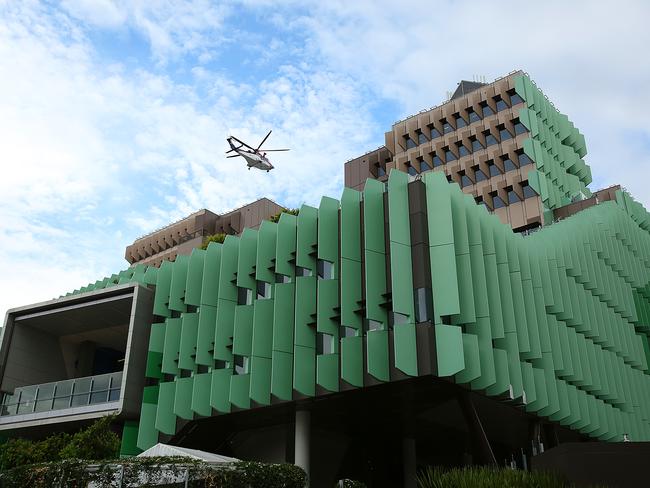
x,y
59,395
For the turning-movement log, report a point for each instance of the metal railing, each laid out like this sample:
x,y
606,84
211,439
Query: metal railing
x,y
77,392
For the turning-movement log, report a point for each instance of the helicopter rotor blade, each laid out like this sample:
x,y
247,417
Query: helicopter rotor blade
x,y
241,142
233,156
274,150
264,140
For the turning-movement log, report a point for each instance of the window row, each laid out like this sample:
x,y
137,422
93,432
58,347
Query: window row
x,y
503,165
496,201
460,119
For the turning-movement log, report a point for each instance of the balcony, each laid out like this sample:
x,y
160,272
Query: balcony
x,y
59,395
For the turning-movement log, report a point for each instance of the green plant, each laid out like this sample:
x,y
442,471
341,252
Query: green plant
x,y
219,238
291,211
95,442
477,477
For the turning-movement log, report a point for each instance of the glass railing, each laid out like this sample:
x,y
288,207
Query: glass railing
x,y
77,392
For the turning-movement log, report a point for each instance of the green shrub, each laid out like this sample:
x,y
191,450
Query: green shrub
x,y
488,478
96,442
219,238
291,211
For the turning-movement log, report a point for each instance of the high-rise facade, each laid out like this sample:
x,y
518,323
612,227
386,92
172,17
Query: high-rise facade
x,y
504,143
404,323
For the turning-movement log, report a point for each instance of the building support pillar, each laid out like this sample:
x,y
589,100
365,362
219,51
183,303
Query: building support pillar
x,y
303,440
409,462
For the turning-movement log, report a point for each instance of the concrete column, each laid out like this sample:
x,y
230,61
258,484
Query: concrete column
x,y
302,440
409,463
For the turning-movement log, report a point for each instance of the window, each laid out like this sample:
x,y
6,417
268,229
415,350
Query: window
x,y
446,126
347,331
397,318
508,165
263,290
513,197
324,343
519,127
449,156
423,305
411,170
325,270
514,98
422,138
244,296
486,109
241,364
462,150
473,116
410,144
380,170
280,278
460,122
528,190
497,201
435,133
494,170
490,140
476,145
300,271
436,160
524,159
424,166
465,181
370,324
504,133
449,178
501,104
479,175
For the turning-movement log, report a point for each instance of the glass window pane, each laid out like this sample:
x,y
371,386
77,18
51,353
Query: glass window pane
x,y
116,380
347,331
410,143
446,126
473,116
300,271
325,270
460,122
437,161
524,159
98,397
381,171
476,145
422,138
26,407
435,133
520,128
411,171
82,385
63,388
512,197
508,165
324,343
263,290
80,400
462,150
501,104
114,395
497,202
487,111
370,324
490,140
423,305
61,402
449,156
46,392
244,296
465,181
101,382
505,134
479,175
515,99
494,170
424,166
241,364
528,191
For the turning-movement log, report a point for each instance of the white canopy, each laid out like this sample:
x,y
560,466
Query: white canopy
x,y
161,449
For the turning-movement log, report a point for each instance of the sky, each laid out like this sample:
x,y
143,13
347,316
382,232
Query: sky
x,y
114,114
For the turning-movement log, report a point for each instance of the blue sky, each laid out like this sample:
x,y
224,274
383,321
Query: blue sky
x,y
114,114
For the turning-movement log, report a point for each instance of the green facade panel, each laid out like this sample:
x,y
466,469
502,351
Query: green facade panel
x,y
556,322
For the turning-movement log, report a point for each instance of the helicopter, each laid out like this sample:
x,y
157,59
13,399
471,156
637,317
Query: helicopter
x,y
253,156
